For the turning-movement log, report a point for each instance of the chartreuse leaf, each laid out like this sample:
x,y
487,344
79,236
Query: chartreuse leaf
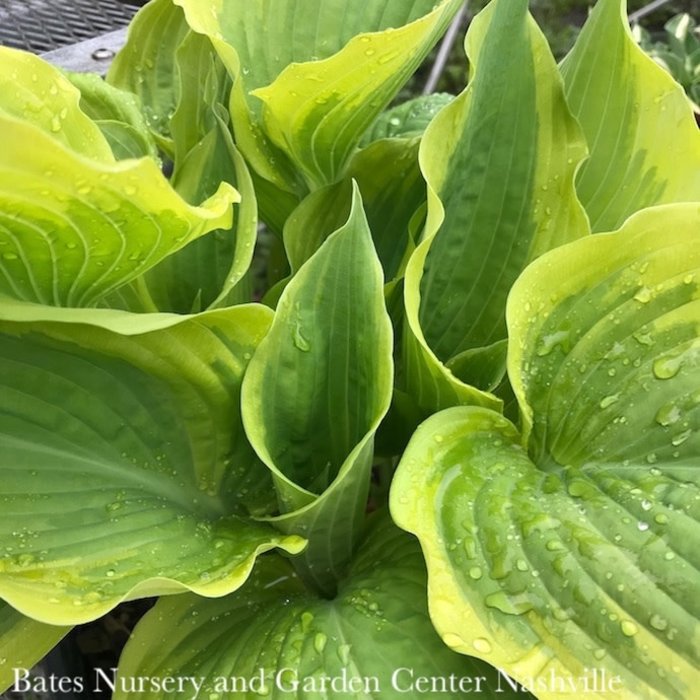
x,y
317,112
639,124
31,91
125,470
309,85
316,391
117,113
580,552
74,223
500,163
375,638
23,642
146,65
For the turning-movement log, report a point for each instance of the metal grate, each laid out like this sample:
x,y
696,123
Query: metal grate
x,y
44,25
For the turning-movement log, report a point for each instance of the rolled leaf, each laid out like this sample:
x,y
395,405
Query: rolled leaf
x,y
124,468
209,272
499,162
574,546
316,390
645,144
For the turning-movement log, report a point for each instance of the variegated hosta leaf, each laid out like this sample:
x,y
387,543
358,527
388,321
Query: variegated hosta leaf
x,y
645,144
75,224
308,87
124,468
500,163
581,552
23,642
277,632
316,391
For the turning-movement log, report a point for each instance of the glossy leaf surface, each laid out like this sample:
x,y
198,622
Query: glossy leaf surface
x,y
317,389
578,551
376,635
124,465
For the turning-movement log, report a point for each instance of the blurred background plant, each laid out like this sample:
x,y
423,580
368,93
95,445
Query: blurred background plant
x,y
660,28
678,52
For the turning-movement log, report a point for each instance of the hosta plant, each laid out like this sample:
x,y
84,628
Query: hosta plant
x,y
473,319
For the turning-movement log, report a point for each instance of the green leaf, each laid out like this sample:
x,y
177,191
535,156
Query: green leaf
x,y
23,642
118,115
317,389
392,188
124,465
645,144
276,632
308,87
209,272
580,552
146,65
203,86
74,223
500,163
407,120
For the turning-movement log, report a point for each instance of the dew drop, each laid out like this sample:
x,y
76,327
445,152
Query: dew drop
x,y
453,641
475,572
320,642
658,622
667,367
644,295
300,342
609,400
551,341
482,645
344,654
681,437
629,629
668,415
508,604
